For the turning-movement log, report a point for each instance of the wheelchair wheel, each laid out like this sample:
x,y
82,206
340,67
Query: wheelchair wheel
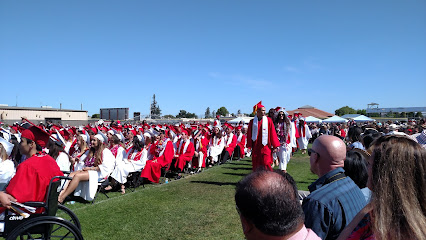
x,y
67,214
46,227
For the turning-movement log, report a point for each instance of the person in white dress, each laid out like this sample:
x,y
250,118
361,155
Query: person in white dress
x,y
286,136
216,145
305,135
7,166
99,165
134,161
80,154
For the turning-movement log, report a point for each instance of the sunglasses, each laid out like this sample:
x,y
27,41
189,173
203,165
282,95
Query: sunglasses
x,y
310,151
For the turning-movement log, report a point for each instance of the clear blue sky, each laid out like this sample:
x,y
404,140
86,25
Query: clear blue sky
x,y
198,54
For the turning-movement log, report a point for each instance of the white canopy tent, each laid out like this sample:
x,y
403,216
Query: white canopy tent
x,y
312,119
363,118
335,119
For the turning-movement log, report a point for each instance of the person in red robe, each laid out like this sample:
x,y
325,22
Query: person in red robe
x,y
262,138
241,144
185,151
32,176
200,144
163,155
230,141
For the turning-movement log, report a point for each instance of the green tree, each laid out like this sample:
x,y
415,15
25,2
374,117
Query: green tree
x,y
239,112
168,116
96,115
361,111
214,114
419,114
155,109
222,111
344,110
185,114
207,113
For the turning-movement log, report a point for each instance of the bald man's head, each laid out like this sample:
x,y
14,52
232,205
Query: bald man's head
x,y
331,154
269,202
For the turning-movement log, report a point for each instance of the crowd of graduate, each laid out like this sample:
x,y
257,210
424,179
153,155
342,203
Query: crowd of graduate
x,y
131,154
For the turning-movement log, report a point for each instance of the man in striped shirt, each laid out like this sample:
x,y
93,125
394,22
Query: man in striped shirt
x,y
334,199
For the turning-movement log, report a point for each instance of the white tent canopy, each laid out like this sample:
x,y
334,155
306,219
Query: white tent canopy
x,y
363,118
245,120
312,119
335,119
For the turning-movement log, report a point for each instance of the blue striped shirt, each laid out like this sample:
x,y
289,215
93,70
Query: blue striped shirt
x,y
330,207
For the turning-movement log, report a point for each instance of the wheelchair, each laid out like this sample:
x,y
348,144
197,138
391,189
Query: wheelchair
x,y
46,225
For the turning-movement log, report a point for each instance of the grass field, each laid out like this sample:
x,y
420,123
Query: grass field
x,y
198,206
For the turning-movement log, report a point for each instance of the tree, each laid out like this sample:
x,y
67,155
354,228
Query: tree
x,y
419,114
155,109
222,111
185,114
239,112
361,111
345,110
207,113
214,113
96,115
168,116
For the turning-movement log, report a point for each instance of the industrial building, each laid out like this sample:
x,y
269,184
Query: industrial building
x,y
9,115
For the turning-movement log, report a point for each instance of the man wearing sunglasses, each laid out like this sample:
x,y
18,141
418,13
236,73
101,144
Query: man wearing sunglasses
x,y
334,199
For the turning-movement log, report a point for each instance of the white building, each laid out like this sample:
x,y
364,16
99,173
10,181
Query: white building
x,y
9,115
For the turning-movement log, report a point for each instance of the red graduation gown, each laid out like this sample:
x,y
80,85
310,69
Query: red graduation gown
x,y
262,155
231,147
32,179
203,149
242,145
184,157
152,170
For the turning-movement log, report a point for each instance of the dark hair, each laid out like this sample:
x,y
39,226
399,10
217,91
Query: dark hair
x,y
354,134
16,154
272,206
38,147
54,149
137,145
368,139
356,168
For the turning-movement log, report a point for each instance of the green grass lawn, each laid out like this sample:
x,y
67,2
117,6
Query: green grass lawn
x,y
198,206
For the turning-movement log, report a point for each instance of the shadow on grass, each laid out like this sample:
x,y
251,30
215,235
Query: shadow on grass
x,y
238,168
215,183
236,174
237,163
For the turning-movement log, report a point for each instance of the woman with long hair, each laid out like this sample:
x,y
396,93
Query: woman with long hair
x,y
397,179
216,146
85,181
79,156
57,152
286,136
354,137
134,161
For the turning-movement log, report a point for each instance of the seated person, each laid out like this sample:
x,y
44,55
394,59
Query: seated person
x,y
32,176
282,218
230,141
80,154
200,151
162,154
134,161
57,152
216,146
85,182
7,166
241,144
185,151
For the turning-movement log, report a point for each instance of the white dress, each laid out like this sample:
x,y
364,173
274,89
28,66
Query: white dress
x,y
63,162
129,165
87,189
215,148
7,171
303,141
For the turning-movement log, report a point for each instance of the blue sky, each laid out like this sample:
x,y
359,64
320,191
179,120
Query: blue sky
x,y
198,54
